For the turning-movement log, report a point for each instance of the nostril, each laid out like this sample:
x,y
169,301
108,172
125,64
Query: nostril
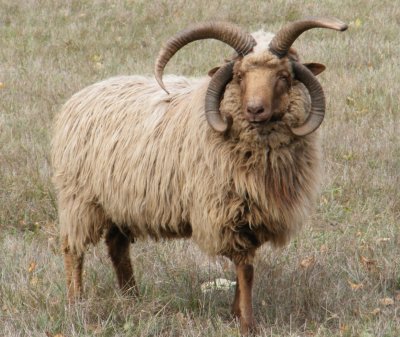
x,y
255,109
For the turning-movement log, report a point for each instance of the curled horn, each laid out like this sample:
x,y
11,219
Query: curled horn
x,y
226,32
317,112
283,40
280,45
213,97
234,36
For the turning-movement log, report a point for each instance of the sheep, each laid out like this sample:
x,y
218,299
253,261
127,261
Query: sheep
x,y
230,161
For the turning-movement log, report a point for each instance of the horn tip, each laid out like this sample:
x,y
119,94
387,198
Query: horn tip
x,y
161,84
339,25
164,88
300,133
218,124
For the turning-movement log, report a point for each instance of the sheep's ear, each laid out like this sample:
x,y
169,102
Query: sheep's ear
x,y
213,71
316,68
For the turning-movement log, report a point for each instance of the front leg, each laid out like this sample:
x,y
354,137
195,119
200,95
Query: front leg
x,y
242,305
118,245
235,304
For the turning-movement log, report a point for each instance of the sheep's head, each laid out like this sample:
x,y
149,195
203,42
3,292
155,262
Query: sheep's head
x,y
265,78
265,82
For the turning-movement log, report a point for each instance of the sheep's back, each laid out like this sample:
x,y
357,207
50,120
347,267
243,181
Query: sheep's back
x,y
118,144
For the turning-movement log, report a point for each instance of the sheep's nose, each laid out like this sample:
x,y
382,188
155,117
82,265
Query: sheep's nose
x,y
255,109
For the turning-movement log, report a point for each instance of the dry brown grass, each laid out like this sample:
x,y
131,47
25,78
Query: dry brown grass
x,y
336,279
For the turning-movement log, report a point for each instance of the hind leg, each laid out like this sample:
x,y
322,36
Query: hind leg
x,y
73,269
118,248
81,223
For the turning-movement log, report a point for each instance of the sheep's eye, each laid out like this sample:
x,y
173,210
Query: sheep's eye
x,y
284,78
239,77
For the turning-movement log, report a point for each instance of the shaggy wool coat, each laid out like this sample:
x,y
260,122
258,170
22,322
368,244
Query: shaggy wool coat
x,y
126,153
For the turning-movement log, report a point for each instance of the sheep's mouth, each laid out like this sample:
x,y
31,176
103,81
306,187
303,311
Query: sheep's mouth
x,y
262,123
259,123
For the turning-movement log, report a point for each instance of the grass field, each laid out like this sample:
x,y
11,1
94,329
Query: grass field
x,y
339,277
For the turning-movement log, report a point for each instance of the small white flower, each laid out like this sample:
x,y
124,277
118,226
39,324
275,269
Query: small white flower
x,y
217,284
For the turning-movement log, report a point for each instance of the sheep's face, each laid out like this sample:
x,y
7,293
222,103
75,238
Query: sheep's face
x,y
265,83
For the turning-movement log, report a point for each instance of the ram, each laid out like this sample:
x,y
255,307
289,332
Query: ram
x,y
231,161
